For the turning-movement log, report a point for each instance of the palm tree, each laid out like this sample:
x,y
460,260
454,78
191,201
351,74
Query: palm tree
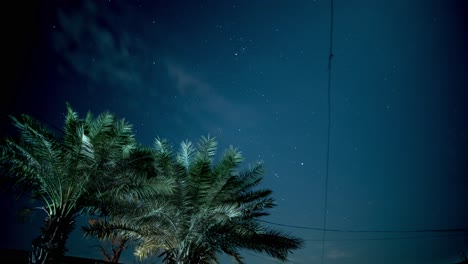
x,y
214,209
79,171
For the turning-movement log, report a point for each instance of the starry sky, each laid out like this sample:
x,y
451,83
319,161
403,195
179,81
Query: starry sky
x,y
254,74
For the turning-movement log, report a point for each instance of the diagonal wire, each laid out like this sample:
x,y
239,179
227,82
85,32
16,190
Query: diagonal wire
x,y
391,238
427,230
330,57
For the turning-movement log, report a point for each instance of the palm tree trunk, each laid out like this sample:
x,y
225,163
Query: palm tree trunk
x,y
181,257
176,258
117,246
49,247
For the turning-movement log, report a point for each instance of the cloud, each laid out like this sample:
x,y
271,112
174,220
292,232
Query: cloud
x,y
338,254
185,81
89,45
205,102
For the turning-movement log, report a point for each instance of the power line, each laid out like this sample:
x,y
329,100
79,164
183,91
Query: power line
x,y
428,230
267,259
389,238
330,56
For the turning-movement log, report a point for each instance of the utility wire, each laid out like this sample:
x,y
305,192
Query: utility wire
x,y
428,230
330,57
267,259
390,238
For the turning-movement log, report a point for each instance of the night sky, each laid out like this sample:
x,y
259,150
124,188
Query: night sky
x,y
254,75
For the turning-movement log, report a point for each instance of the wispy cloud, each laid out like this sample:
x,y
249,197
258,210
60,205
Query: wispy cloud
x,y
92,47
205,103
184,81
338,254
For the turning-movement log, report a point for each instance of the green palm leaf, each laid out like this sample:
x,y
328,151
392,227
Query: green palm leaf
x,y
185,155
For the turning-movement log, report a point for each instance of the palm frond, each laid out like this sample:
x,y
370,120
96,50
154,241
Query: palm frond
x,y
162,146
223,174
163,156
101,126
274,243
37,139
185,155
148,248
206,148
250,177
201,179
17,162
86,149
234,254
249,196
102,229
228,163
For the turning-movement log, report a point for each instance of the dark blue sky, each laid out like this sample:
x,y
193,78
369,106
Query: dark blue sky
x,y
254,74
